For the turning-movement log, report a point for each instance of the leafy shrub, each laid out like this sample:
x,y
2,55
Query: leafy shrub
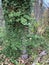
x,y
17,16
18,23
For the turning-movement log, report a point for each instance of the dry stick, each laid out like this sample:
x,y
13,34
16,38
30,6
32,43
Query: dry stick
x,y
43,53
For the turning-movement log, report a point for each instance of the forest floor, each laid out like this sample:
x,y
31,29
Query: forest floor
x,y
41,59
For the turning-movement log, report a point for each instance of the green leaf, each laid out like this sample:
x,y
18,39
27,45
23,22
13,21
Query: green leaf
x,y
38,64
27,17
23,21
17,20
10,20
17,13
11,14
14,14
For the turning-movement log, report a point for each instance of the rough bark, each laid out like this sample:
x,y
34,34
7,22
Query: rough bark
x,y
2,22
38,9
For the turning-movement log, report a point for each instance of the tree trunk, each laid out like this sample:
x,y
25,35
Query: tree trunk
x,y
2,22
38,9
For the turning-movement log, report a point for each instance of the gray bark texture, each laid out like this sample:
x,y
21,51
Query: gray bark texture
x,y
2,21
38,9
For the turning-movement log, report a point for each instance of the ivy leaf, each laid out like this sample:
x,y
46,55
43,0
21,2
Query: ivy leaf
x,y
23,21
17,20
10,20
27,17
11,14
17,13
